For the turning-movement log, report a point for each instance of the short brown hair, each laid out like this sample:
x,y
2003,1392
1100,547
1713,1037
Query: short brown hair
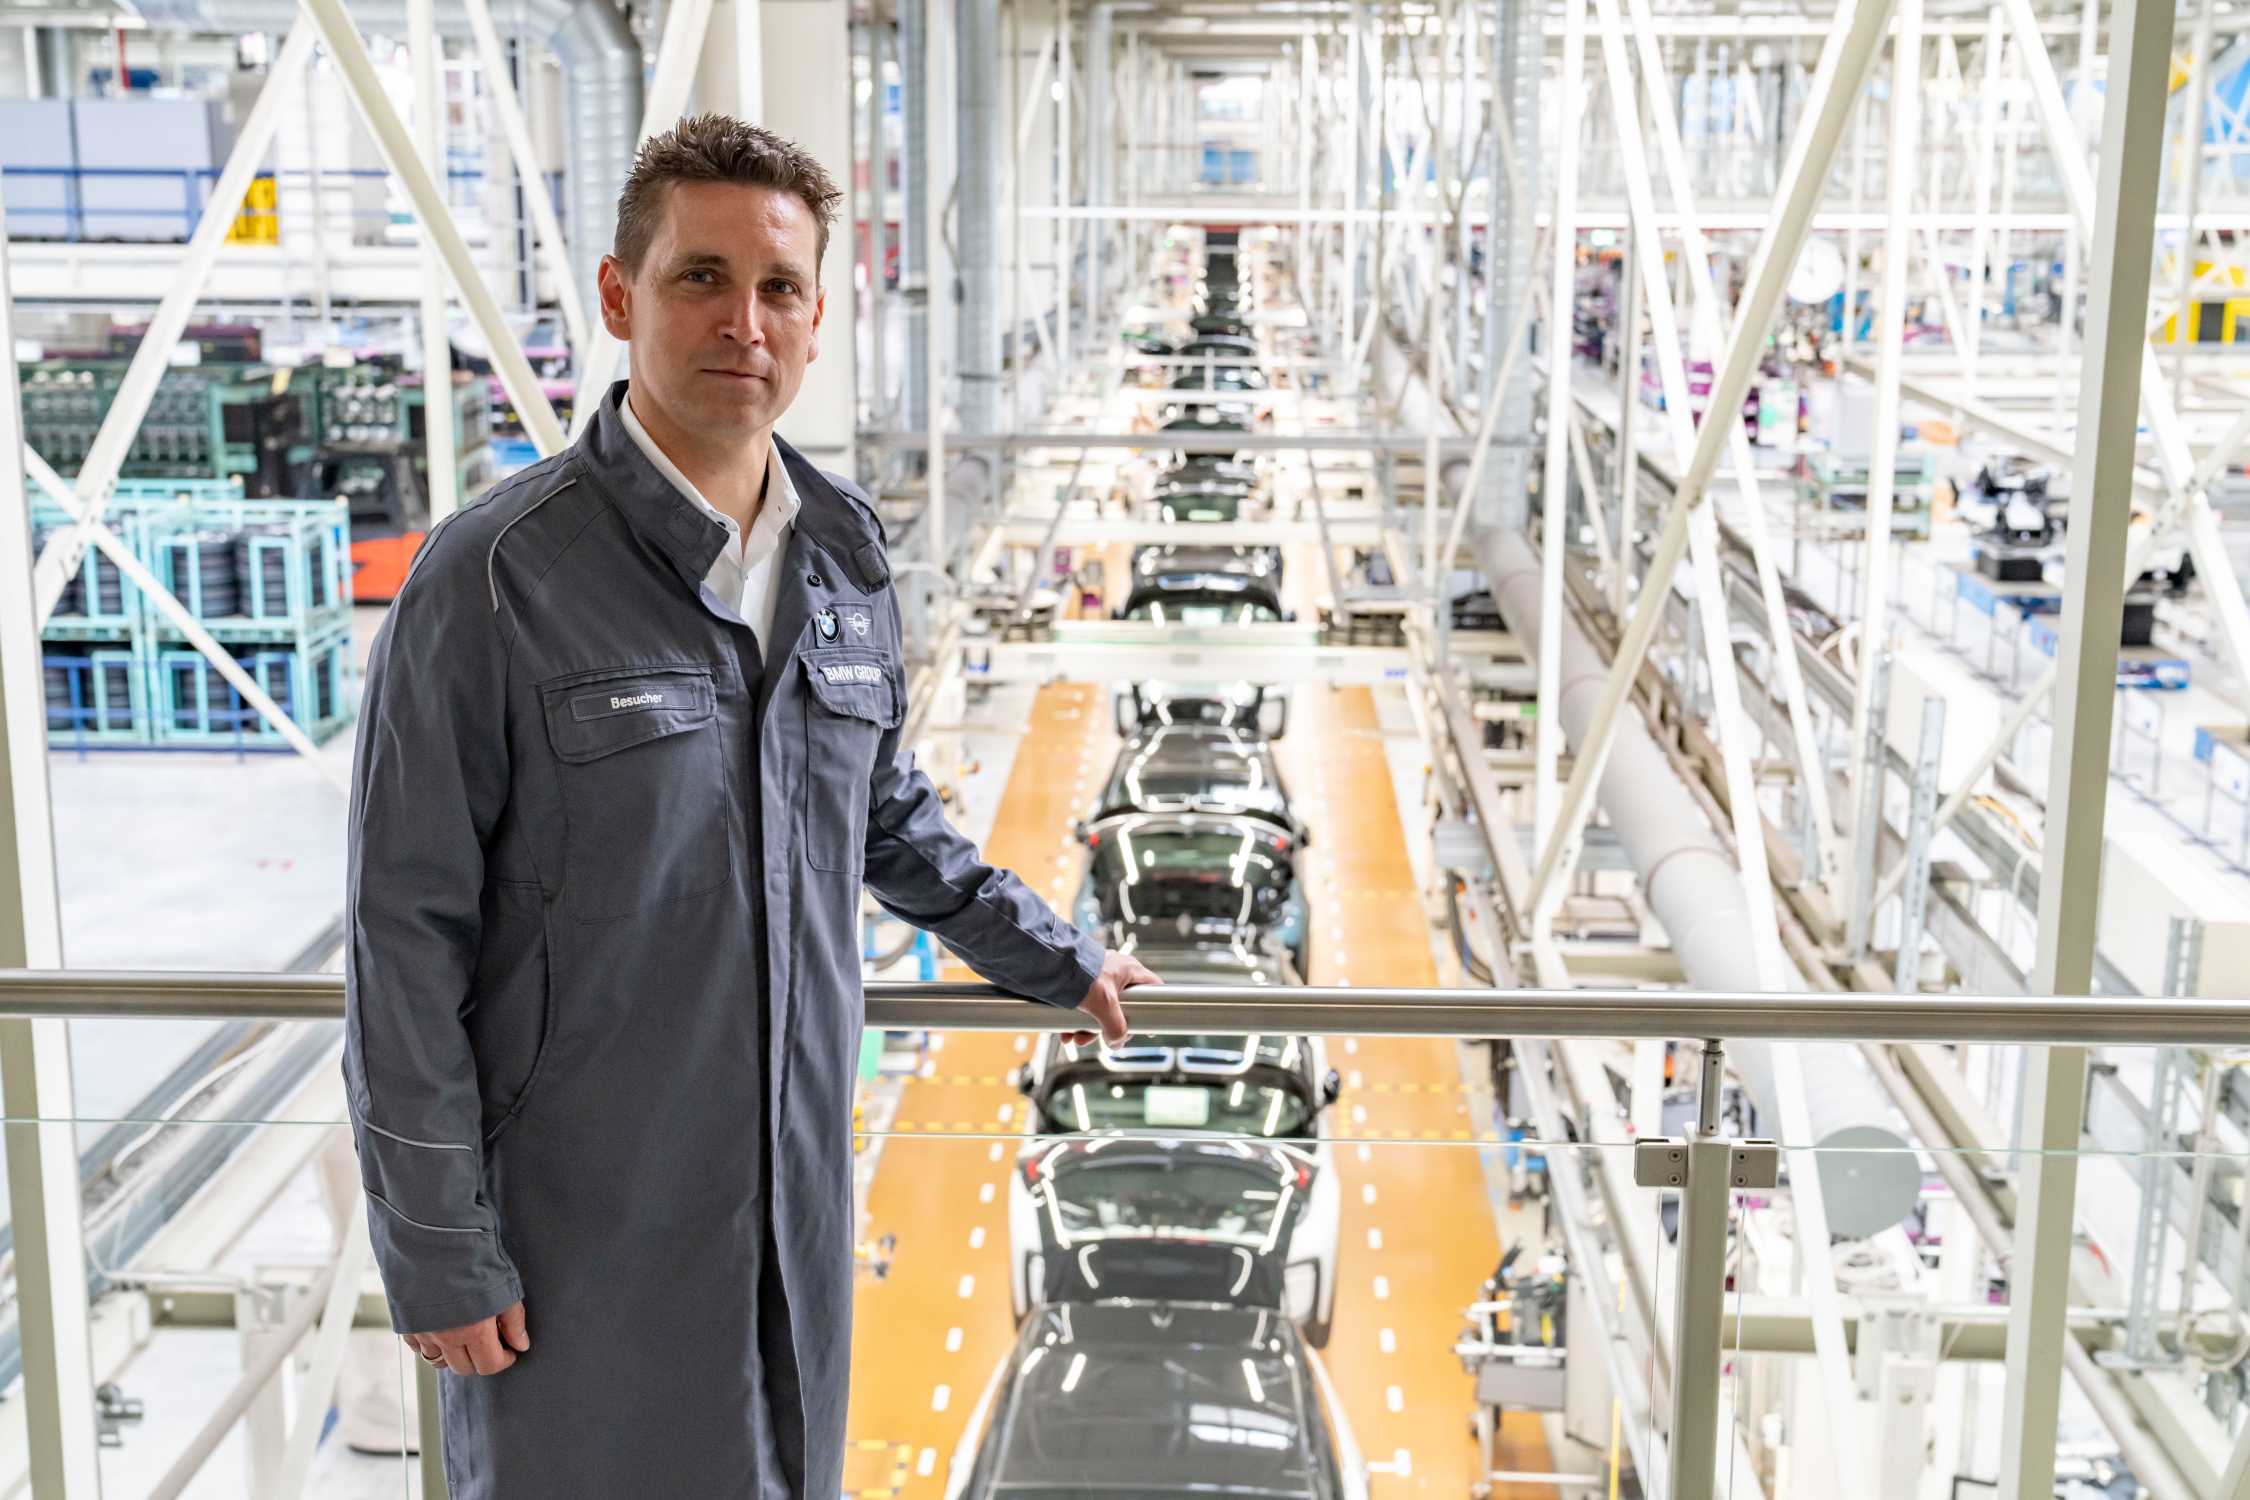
x,y
717,148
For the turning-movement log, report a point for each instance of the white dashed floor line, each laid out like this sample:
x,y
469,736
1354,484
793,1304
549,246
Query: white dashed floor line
x,y
953,1340
925,1462
984,1194
969,1287
1374,1239
1382,1288
1387,1340
976,1238
942,1397
1393,1397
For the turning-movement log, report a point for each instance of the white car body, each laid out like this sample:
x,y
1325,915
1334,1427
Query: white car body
x,y
1314,1245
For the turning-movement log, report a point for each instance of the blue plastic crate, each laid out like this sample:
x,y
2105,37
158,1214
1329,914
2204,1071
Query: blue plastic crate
x,y
96,694
99,603
312,683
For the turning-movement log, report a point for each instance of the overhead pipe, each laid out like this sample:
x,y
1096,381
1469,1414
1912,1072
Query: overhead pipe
x,y
1869,1176
977,115
603,91
914,249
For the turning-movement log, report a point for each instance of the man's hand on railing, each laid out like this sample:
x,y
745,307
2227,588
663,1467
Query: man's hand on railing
x,y
485,1347
1105,1002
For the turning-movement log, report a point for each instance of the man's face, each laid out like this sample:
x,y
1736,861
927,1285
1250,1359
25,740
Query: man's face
x,y
724,312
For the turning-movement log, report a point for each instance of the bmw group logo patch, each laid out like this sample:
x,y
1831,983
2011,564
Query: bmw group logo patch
x,y
826,621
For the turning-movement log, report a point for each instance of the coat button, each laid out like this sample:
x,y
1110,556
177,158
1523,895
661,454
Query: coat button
x,y
813,579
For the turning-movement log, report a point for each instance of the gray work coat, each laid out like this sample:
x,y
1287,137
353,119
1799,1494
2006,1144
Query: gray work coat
x,y
604,1001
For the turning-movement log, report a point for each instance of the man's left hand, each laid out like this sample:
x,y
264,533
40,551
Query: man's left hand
x,y
1105,1002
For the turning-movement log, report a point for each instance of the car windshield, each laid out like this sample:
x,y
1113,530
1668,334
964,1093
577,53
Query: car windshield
x,y
1201,505
1159,1399
1090,1196
1265,1103
1235,871
1201,607
1172,770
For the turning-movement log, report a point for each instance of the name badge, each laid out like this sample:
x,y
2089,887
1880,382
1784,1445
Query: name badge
x,y
638,700
850,671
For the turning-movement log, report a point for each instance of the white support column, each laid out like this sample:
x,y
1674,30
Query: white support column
x,y
806,46
1890,344
1547,730
730,74
1433,328
318,1387
2109,403
2199,91
878,235
1628,432
670,82
1988,127
933,227
35,1083
1355,75
1065,230
437,342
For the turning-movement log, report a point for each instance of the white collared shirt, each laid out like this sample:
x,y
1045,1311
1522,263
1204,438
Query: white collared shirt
x,y
743,574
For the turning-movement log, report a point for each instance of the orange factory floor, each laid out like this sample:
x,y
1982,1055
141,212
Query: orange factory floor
x,y
1417,1236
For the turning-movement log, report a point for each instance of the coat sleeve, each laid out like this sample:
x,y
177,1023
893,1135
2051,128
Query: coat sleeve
x,y
924,871
430,782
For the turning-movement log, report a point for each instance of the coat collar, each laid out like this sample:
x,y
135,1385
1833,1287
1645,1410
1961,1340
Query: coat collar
x,y
837,523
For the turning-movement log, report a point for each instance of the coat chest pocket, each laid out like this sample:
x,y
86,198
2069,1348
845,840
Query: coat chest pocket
x,y
851,697
643,780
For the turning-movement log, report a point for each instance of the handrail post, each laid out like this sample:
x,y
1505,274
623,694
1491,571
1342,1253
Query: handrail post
x,y
1707,1170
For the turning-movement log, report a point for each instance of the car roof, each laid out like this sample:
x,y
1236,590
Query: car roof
x,y
1187,1052
1207,963
1157,1397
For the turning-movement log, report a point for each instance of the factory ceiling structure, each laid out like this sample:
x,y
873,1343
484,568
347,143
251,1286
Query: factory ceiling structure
x,y
1638,604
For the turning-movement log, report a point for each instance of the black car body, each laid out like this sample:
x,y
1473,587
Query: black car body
x,y
1154,1397
1182,768
1200,469
1187,950
1165,867
1240,705
1183,504
1204,599
1219,378
1251,562
1149,1215
1228,346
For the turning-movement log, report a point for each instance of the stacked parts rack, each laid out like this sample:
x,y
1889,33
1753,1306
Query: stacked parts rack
x,y
270,580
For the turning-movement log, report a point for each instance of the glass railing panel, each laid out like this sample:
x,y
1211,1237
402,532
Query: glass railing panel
x,y
1408,1250
212,1251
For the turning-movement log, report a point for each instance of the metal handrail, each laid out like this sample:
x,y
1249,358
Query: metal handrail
x,y
944,1005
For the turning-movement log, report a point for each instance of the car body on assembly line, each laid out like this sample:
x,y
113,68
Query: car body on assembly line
x,y
1177,768
1238,705
1158,1399
1204,599
1215,1139
1163,866
1086,1214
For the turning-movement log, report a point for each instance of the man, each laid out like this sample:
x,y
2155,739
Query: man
x,y
630,745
